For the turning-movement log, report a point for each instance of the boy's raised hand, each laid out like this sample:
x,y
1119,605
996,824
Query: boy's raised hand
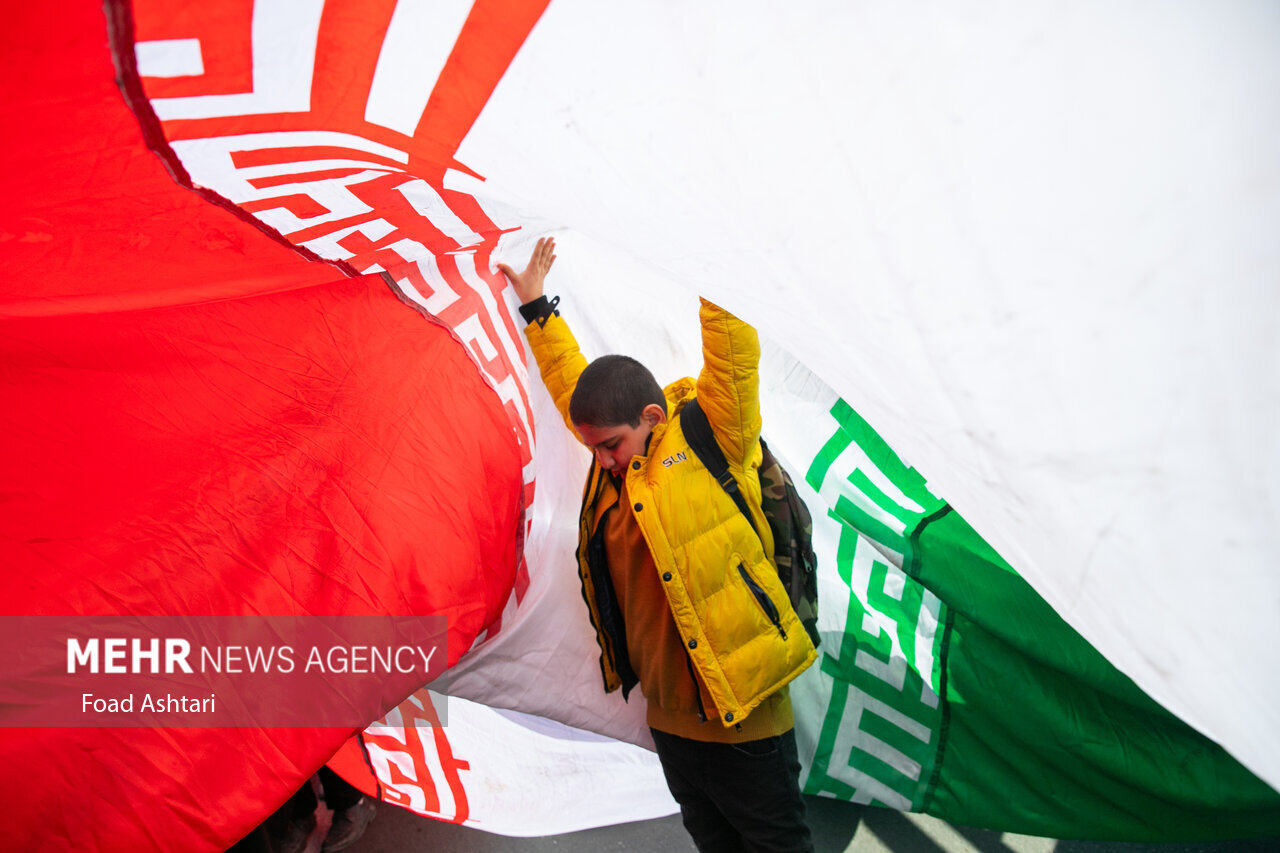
x,y
528,284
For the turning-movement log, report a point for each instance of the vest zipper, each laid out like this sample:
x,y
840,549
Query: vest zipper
x,y
770,609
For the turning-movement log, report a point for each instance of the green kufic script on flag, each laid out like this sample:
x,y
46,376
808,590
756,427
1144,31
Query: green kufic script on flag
x,y
882,716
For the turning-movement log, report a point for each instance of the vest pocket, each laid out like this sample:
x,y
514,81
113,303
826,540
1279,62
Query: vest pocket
x,y
762,597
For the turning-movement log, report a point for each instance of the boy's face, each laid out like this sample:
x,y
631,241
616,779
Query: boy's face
x,y
615,445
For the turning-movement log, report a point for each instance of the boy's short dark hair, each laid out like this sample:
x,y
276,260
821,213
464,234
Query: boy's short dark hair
x,y
614,390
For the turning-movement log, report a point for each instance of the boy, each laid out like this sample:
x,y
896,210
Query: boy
x,y
678,584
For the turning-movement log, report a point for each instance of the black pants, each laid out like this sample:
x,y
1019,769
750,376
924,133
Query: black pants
x,y
339,795
737,797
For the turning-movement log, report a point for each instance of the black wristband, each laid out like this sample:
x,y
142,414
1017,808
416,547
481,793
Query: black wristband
x,y
540,310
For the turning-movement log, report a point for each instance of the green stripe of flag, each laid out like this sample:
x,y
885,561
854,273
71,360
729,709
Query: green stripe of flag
x,y
953,688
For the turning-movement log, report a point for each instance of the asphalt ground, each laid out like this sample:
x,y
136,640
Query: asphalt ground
x,y
837,828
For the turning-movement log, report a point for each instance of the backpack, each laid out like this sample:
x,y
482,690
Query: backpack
x,y
783,508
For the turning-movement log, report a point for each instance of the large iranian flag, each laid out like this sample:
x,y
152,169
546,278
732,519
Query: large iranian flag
x,y
1013,269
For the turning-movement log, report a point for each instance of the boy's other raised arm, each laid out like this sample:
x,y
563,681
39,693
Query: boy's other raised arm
x,y
560,362
729,384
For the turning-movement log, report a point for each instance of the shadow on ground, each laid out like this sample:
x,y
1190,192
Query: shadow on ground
x,y
838,827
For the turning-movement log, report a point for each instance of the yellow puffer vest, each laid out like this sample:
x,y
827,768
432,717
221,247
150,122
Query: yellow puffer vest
x,y
731,610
